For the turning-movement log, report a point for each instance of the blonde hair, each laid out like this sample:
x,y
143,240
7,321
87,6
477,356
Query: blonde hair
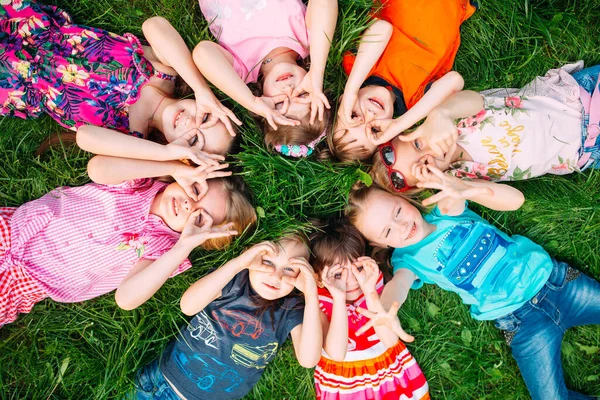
x,y
297,135
238,210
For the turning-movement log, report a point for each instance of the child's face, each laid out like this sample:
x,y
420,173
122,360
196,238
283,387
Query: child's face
x,y
353,290
283,79
269,285
174,206
409,154
390,220
180,117
374,103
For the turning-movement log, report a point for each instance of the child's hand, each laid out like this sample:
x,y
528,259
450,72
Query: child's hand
x,y
450,187
316,98
380,317
198,229
438,131
347,109
209,111
305,281
253,257
193,180
366,272
180,149
266,107
334,279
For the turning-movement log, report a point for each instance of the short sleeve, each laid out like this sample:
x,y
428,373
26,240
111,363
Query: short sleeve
x,y
294,316
418,283
155,245
134,184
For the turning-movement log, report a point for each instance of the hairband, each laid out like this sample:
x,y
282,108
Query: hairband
x,y
301,150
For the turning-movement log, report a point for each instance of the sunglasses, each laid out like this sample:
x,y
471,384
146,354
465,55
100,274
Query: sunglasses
x,y
388,156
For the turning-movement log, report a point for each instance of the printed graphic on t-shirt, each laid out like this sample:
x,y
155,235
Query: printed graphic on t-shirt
x,y
253,357
202,330
467,254
239,323
213,370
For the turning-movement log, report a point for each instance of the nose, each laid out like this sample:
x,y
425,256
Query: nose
x,y
288,89
276,274
369,115
189,205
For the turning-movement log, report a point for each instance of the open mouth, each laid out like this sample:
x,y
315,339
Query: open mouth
x,y
176,120
376,102
283,77
175,207
412,231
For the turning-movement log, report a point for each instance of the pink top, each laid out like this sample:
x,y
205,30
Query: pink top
x,y
362,347
249,30
80,242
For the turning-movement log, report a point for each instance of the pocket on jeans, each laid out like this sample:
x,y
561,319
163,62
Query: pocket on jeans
x,y
509,328
143,380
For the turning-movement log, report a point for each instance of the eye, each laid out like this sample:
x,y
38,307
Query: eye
x,y
375,130
267,262
417,145
360,269
338,275
205,118
353,115
279,106
387,233
196,191
398,211
303,94
193,141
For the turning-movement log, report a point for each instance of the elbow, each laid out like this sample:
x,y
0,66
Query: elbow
x,y
125,302
95,167
201,51
385,28
456,81
83,137
517,202
187,307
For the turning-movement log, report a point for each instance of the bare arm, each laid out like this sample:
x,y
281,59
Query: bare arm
x,y
169,47
442,89
373,43
308,336
113,170
321,17
335,333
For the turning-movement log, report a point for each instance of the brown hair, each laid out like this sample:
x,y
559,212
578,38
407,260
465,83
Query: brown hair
x,y
302,134
237,210
335,242
338,144
379,173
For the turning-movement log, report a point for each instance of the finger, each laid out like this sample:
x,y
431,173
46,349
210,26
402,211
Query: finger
x,y
271,121
207,220
437,150
231,115
290,280
324,100
210,122
216,235
213,156
365,328
436,171
314,109
200,161
225,120
298,90
303,100
321,110
218,174
417,133
217,167
189,190
285,107
435,198
325,273
281,120
394,308
405,337
191,220
450,153
429,185
344,277
365,312
188,135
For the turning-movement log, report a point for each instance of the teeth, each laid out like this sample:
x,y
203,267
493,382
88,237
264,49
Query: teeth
x,y
177,119
376,103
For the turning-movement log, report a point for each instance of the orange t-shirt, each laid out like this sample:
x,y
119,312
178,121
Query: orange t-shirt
x,y
423,45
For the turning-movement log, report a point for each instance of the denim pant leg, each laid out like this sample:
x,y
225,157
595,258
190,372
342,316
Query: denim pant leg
x,y
535,331
151,384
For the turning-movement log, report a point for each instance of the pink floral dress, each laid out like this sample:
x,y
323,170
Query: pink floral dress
x,y
77,75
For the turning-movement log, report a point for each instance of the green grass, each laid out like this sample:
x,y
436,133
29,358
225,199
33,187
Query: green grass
x,y
92,350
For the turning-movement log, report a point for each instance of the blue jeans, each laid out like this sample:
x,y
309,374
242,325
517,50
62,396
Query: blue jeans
x,y
151,384
535,331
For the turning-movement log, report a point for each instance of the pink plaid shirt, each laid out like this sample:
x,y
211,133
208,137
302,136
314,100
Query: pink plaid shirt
x,y
80,242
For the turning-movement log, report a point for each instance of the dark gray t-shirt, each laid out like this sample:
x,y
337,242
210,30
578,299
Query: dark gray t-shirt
x,y
223,351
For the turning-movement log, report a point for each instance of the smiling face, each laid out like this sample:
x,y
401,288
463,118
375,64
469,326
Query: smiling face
x,y
410,153
374,106
180,117
269,285
389,220
174,206
283,79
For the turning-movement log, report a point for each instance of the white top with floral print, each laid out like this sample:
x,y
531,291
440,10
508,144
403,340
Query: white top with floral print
x,y
519,137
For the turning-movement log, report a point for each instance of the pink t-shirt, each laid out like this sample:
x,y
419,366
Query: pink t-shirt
x,y
249,30
80,242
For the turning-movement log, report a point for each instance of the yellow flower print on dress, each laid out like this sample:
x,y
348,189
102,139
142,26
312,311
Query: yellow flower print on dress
x,y
72,74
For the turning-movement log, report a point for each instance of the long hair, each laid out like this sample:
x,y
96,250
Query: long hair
x,y
238,210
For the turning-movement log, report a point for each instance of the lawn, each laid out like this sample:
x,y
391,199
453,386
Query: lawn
x,y
92,350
